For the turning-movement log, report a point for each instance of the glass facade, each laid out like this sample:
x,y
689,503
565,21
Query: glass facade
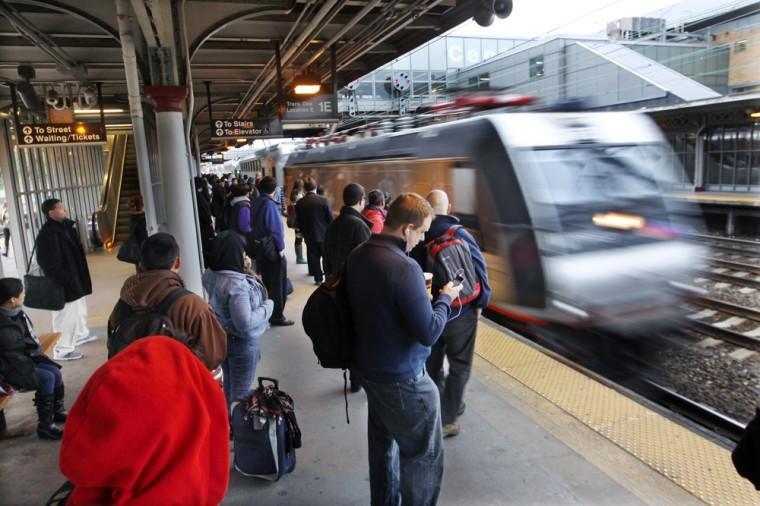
x,y
428,67
684,161
732,158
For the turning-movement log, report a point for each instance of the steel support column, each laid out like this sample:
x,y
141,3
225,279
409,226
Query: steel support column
x,y
136,113
178,187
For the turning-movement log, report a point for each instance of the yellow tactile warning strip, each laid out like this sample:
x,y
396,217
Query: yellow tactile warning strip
x,y
701,467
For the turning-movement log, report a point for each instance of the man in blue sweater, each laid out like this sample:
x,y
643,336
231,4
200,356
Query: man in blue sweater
x,y
457,343
266,221
396,325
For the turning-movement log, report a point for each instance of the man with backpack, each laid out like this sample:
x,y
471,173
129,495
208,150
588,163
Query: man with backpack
x,y
395,325
267,226
449,250
142,306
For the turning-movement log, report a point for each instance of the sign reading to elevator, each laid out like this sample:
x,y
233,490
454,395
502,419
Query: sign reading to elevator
x,y
56,134
240,128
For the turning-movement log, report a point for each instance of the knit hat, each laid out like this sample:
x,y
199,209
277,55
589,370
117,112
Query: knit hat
x,y
10,287
150,427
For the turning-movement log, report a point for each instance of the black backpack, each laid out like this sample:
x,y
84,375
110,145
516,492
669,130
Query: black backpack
x,y
132,324
448,256
328,322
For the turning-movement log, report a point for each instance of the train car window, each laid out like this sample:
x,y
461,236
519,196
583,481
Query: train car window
x,y
592,174
463,198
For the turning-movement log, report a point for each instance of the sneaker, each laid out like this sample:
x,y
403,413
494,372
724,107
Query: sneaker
x,y
451,429
72,355
282,323
86,340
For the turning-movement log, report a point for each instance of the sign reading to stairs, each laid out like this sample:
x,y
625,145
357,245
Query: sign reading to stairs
x,y
243,128
57,134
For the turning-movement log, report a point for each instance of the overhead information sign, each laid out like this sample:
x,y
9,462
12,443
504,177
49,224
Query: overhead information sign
x,y
317,108
242,128
58,134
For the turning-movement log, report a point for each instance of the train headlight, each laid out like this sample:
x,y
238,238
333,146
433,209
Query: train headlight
x,y
619,221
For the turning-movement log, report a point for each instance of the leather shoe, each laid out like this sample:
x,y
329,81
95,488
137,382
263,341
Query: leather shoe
x,y
451,429
282,323
460,411
355,387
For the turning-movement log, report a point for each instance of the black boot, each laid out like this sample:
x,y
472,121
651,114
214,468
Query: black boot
x,y
59,410
46,429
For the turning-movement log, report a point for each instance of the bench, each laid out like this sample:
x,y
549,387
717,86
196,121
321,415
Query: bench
x,y
47,341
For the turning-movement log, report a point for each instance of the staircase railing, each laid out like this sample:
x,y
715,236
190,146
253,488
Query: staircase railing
x,y
107,214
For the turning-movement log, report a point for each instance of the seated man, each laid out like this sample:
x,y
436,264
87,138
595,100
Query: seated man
x,y
190,315
149,427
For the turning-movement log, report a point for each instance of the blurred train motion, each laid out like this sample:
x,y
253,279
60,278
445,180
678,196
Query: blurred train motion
x,y
569,208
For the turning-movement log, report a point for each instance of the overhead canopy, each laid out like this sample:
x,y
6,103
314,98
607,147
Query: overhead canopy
x,y
230,44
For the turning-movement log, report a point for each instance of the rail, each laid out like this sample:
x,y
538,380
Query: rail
x,y
107,214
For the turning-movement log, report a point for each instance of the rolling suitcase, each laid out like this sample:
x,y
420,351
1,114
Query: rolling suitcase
x,y
265,433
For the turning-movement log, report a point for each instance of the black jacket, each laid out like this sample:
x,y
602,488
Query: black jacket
x,y
746,455
394,321
61,257
346,232
19,352
313,214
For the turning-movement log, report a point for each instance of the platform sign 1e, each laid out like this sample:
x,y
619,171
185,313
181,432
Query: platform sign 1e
x,y
59,134
241,128
317,108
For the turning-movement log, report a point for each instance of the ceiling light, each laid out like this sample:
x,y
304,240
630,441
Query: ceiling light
x,y
242,140
306,84
755,114
97,111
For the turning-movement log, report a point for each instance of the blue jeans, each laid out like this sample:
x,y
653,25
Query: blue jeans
x,y
240,367
48,376
405,442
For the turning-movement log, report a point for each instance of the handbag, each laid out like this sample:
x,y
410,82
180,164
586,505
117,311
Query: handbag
x,y
42,292
291,216
130,250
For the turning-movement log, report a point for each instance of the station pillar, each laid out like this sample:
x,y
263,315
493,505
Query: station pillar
x,y
177,184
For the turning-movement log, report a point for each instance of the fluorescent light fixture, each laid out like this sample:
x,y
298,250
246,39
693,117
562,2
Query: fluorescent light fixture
x,y
118,125
97,111
242,140
755,114
307,89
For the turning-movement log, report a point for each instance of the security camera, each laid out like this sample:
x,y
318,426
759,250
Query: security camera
x,y
87,97
51,97
484,14
502,8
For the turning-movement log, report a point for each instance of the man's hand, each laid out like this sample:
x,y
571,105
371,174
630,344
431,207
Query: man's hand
x,y
452,290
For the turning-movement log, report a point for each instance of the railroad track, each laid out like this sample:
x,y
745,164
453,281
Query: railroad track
x,y
730,318
734,273
737,246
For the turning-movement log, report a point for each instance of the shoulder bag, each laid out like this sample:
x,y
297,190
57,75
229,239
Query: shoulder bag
x,y
42,292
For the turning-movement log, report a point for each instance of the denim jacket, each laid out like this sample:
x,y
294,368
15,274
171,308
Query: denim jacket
x,y
239,303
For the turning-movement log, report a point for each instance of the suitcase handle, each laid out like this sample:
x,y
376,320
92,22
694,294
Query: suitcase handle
x,y
262,379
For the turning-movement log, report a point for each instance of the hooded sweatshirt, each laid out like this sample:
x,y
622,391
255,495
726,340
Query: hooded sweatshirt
x,y
190,315
150,427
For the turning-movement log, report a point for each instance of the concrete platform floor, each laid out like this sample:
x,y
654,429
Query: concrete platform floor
x,y
515,447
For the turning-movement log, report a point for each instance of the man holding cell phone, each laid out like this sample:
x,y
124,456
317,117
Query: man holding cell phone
x,y
452,254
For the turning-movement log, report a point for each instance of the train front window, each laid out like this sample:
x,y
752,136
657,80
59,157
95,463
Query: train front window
x,y
594,174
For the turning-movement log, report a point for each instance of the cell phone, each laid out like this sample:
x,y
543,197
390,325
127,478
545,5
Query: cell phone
x,y
458,278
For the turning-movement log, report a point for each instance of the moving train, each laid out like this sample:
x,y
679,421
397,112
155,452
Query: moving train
x,y
569,208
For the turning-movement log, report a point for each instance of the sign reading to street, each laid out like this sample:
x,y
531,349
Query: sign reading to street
x,y
56,134
241,128
318,107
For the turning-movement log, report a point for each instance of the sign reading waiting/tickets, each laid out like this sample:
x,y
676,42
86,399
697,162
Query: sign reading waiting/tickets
x,y
242,129
59,134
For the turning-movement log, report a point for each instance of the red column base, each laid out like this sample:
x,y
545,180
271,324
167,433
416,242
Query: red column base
x,y
167,98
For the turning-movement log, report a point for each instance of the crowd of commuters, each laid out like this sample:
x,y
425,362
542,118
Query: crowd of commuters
x,y
403,330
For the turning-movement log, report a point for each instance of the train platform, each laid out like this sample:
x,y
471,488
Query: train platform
x,y
534,432
719,198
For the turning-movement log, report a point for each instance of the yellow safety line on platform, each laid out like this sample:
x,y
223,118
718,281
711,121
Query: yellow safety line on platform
x,y
701,467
